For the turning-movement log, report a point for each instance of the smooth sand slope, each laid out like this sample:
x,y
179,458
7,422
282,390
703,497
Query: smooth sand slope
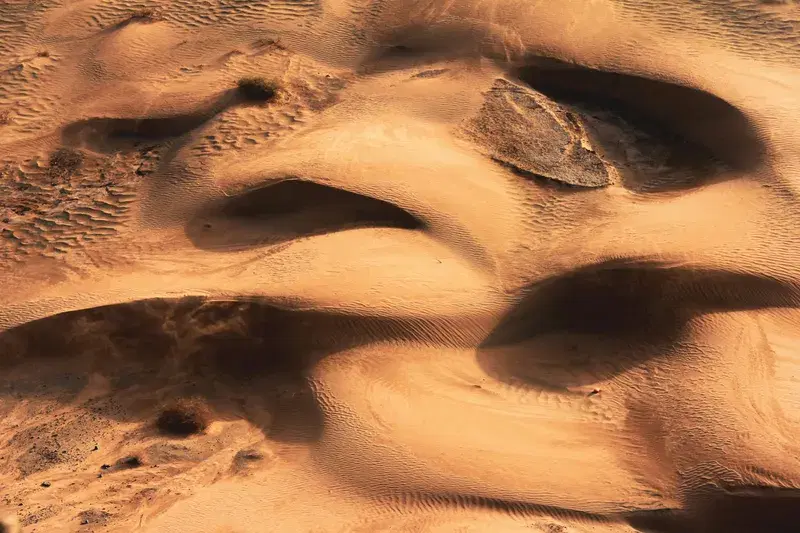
x,y
435,266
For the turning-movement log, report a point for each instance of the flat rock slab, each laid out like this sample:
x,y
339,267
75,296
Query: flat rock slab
x,y
531,134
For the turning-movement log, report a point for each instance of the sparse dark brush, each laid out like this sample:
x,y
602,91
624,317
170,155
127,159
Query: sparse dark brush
x,y
64,162
145,15
258,89
183,418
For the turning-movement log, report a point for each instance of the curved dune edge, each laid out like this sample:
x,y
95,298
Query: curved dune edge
x,y
404,290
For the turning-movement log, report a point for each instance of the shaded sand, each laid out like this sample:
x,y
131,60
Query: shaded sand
x,y
475,266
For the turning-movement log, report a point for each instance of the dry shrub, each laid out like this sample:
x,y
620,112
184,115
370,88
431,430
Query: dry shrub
x,y
94,517
64,162
131,461
145,15
258,89
184,417
245,458
5,118
269,44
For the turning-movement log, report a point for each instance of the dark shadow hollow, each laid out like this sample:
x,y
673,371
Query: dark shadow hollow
x,y
596,322
109,135
156,350
673,113
417,45
287,210
659,521
747,510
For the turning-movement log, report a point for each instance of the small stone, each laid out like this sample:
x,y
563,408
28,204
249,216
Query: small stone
x,y
45,484
105,467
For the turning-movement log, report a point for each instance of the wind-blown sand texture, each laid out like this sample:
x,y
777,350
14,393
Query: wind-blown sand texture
x,y
485,266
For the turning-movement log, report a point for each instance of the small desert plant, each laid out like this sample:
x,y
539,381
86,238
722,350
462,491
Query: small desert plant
x,y
258,89
244,459
147,14
184,417
5,118
131,461
269,44
64,162
93,516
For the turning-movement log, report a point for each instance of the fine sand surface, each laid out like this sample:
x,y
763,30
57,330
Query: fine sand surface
x,y
475,266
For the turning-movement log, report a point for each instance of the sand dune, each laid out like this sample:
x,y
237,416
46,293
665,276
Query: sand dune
x,y
345,265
